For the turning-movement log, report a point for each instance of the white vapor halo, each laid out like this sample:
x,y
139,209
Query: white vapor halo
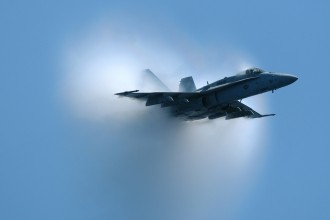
x,y
211,162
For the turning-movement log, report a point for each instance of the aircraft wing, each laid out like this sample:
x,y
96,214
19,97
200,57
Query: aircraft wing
x,y
237,109
154,98
245,111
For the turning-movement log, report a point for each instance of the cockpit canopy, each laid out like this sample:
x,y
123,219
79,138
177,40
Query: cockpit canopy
x,y
253,71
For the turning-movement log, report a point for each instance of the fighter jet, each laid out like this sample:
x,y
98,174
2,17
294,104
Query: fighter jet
x,y
221,98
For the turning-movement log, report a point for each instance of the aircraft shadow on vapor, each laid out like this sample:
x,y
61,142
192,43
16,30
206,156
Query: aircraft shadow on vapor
x,y
221,98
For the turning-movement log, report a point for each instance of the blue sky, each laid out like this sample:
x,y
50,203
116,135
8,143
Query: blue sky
x,y
36,164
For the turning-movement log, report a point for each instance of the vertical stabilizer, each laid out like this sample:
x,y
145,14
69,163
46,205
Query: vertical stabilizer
x,y
152,82
187,84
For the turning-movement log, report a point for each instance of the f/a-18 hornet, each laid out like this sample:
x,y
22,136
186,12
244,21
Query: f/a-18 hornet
x,y
218,99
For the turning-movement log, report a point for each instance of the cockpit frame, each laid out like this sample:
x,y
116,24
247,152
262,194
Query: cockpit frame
x,y
253,71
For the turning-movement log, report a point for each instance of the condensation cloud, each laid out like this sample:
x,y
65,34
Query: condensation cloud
x,y
143,164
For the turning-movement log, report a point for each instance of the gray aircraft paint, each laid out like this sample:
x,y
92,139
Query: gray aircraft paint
x,y
218,99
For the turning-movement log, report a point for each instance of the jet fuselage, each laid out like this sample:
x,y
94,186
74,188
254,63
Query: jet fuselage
x,y
241,86
219,99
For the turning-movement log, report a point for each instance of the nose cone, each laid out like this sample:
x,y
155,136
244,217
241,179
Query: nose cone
x,y
288,79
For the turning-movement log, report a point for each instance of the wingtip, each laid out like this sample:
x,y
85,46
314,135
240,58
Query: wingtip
x,y
268,115
126,92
